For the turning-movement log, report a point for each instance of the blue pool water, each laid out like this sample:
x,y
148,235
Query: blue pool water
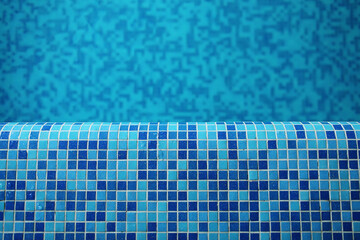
x,y
179,60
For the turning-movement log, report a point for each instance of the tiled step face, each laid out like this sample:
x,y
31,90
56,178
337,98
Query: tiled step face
x,y
242,180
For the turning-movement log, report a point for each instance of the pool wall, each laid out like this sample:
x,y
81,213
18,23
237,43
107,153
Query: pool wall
x,y
233,180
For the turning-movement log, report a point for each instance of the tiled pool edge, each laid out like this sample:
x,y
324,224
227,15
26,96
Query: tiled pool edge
x,y
236,180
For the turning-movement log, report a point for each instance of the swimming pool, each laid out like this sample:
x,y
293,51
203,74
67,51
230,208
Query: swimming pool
x,y
170,120
262,60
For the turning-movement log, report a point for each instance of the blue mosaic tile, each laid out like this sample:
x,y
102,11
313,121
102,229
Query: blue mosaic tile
x,y
236,180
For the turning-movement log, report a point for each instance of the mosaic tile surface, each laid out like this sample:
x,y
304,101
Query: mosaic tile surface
x,y
194,60
242,180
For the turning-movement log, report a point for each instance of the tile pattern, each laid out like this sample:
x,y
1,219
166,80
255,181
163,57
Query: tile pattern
x,y
196,60
235,180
